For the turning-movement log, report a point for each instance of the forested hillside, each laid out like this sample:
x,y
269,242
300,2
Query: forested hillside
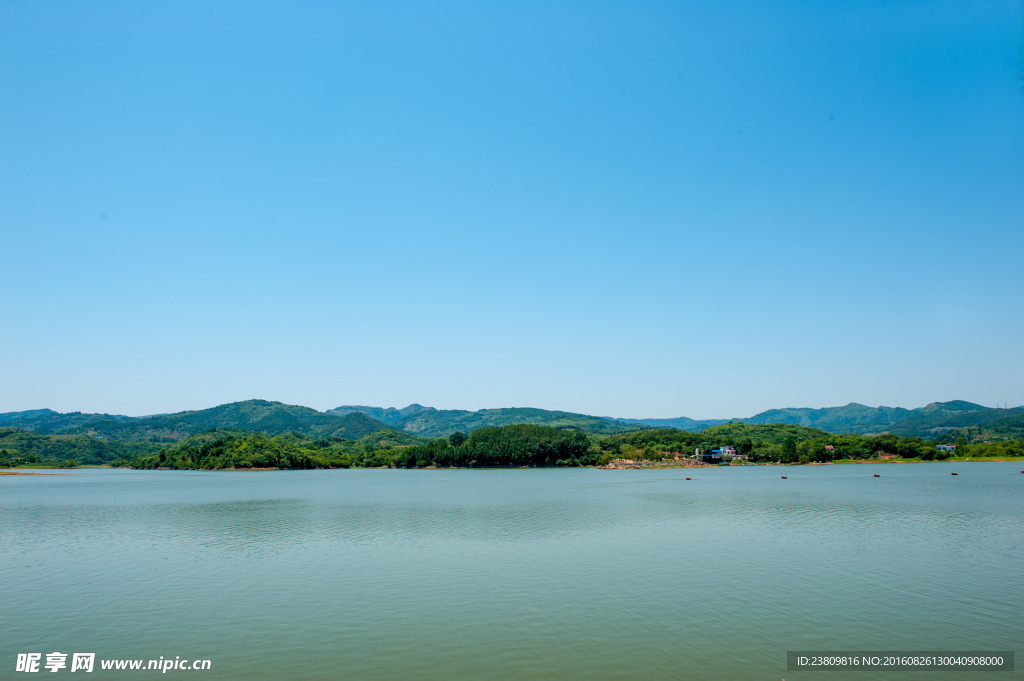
x,y
513,445
851,418
18,447
429,422
941,421
787,443
680,422
947,420
934,420
253,415
49,421
973,424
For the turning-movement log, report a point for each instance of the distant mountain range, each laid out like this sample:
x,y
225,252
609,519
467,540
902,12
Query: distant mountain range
x,y
430,422
354,422
252,415
680,422
931,421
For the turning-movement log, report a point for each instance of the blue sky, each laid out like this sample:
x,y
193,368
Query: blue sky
x,y
642,209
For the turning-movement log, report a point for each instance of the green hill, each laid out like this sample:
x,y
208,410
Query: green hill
x,y
50,421
23,447
680,422
388,416
851,418
731,433
942,418
952,406
781,442
225,448
430,422
1009,426
938,419
252,415
258,416
932,421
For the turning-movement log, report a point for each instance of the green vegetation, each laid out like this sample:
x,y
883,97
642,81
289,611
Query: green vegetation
x,y
681,422
787,443
429,422
506,446
253,415
49,421
219,449
261,434
274,418
957,418
517,445
1003,449
388,416
971,424
19,447
851,418
939,420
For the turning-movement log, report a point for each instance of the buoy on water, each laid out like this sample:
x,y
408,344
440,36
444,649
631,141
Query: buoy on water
x,y
783,477
876,475
952,473
687,478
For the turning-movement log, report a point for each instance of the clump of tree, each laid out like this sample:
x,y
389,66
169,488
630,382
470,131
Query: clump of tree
x,y
1003,449
520,445
225,449
516,445
493,446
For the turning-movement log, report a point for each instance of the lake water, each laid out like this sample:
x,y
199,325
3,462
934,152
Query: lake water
x,y
513,574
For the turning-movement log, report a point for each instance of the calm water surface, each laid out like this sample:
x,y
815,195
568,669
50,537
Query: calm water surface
x,y
513,574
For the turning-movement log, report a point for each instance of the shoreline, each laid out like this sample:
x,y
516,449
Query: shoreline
x,y
842,462
620,467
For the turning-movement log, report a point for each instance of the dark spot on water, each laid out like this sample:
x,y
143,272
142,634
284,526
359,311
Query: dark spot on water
x,y
103,216
831,118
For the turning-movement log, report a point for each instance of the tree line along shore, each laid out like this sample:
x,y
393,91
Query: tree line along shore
x,y
516,445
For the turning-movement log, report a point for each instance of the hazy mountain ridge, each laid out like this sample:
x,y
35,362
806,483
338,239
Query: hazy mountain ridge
x,y
680,422
386,415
